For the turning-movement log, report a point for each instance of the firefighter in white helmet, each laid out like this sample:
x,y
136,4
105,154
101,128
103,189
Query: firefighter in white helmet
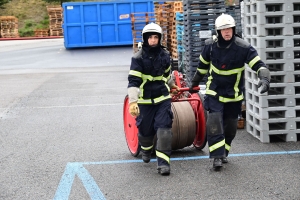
x,y
149,97
223,61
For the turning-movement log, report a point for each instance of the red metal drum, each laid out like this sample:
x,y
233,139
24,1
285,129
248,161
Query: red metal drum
x,y
200,115
130,129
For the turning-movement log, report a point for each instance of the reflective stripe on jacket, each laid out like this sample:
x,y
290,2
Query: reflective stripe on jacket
x,y
225,68
150,74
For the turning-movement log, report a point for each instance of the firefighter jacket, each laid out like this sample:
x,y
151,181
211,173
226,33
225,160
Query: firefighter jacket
x,y
150,71
225,68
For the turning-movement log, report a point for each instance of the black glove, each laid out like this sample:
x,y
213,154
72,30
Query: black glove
x,y
265,77
194,84
265,85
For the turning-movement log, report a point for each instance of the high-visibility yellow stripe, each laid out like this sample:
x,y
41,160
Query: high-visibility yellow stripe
x,y
153,78
211,92
236,89
236,85
135,73
203,60
161,98
147,148
167,70
156,100
227,72
202,71
253,61
227,147
143,101
163,156
217,145
226,100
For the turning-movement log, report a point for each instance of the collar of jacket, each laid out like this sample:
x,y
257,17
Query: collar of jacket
x,y
225,44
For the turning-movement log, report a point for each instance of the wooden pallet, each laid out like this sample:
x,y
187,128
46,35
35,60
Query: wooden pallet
x,y
41,32
56,32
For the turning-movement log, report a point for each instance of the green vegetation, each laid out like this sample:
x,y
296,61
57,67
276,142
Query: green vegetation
x,y
30,27
27,31
2,2
31,14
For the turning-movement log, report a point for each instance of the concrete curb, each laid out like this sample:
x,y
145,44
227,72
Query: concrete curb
x,y
31,38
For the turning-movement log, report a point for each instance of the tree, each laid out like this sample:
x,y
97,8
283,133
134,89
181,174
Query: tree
x,y
2,2
54,1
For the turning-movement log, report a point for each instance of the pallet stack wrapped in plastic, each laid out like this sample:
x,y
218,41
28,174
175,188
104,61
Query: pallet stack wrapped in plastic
x,y
273,28
138,22
55,14
235,12
179,35
199,15
9,27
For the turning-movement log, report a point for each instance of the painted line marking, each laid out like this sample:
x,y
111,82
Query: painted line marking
x,y
76,168
74,106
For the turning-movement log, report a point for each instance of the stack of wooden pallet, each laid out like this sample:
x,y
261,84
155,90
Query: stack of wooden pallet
x,y
41,32
138,21
9,27
166,17
55,20
162,17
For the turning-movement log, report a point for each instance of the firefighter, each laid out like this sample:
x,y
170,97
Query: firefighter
x,y
223,59
149,85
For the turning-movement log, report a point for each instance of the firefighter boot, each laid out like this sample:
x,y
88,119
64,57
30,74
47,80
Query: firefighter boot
x,y
146,155
224,160
217,163
146,147
163,150
164,170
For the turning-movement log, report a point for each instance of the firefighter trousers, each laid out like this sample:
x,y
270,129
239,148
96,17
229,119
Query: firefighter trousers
x,y
156,120
221,125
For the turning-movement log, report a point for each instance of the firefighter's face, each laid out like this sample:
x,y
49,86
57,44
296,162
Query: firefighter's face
x,y
153,40
227,33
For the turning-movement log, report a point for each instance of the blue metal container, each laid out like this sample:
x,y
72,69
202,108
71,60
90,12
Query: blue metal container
x,y
107,23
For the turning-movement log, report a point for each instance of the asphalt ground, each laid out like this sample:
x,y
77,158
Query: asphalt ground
x,y
62,137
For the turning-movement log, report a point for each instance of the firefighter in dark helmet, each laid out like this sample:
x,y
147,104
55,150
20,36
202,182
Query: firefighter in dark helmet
x,y
149,88
223,61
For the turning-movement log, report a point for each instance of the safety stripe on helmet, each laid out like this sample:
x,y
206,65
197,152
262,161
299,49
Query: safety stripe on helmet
x,y
217,145
147,148
253,61
163,156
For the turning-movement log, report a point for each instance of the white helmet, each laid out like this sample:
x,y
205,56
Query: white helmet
x,y
151,28
224,21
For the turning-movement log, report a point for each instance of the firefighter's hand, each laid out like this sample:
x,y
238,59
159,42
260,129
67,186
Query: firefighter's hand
x,y
134,109
174,90
192,90
264,84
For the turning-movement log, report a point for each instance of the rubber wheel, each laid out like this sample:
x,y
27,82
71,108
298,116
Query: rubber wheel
x,y
201,116
130,129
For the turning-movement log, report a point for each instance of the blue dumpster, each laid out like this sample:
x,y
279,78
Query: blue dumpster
x,y
92,24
